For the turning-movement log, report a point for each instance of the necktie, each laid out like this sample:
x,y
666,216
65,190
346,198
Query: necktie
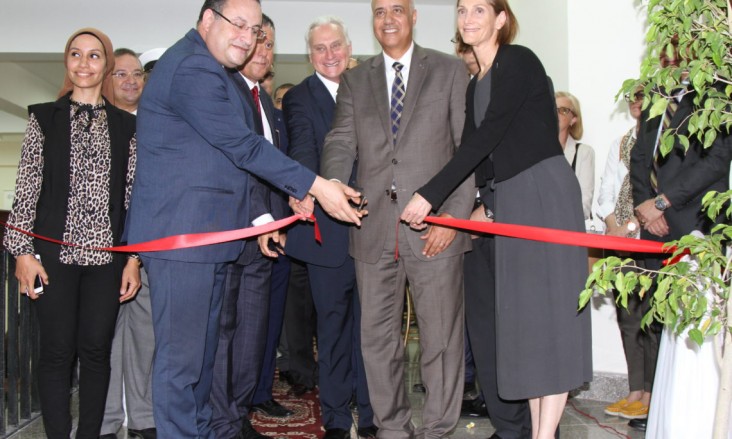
x,y
397,99
255,95
673,104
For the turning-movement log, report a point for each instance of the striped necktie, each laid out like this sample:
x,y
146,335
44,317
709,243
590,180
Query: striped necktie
x,y
397,99
673,105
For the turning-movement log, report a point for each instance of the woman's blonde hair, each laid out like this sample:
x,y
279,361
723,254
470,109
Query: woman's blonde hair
x,y
577,129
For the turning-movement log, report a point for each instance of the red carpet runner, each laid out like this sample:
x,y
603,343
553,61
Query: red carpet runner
x,y
305,423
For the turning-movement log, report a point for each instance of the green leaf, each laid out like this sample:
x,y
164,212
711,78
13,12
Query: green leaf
x,y
709,137
658,108
585,297
697,336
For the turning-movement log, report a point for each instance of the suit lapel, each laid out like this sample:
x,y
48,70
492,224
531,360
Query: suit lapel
x,y
269,112
379,93
323,99
417,73
246,93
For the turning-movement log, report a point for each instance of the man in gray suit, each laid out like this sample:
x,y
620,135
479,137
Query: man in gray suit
x,y
401,113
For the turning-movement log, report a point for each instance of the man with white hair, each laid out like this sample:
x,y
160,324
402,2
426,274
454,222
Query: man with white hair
x,y
309,108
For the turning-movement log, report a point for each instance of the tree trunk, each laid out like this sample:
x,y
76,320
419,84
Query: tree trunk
x,y
724,398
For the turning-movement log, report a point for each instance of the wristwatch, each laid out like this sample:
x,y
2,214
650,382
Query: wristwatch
x,y
660,203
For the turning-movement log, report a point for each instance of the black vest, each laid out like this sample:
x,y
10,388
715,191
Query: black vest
x,y
52,207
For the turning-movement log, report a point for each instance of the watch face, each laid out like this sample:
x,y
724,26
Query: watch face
x,y
660,203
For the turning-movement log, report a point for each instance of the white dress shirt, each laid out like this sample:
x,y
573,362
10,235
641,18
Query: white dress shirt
x,y
332,86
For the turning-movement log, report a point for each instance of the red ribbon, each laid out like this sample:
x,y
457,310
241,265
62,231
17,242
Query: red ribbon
x,y
187,240
533,233
555,236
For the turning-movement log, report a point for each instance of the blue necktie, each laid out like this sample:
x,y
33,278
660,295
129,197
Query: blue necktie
x,y
397,99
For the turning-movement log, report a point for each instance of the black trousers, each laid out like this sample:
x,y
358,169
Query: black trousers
x,y
511,419
76,315
300,320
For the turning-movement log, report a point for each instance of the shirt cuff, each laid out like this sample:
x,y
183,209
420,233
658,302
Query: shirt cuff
x,y
263,219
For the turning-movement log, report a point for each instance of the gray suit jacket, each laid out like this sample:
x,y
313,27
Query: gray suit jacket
x,y
429,134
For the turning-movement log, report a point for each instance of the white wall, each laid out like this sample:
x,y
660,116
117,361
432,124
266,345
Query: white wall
x,y
606,45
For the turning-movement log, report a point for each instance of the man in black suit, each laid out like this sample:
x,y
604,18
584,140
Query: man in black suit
x,y
668,190
309,108
245,309
263,401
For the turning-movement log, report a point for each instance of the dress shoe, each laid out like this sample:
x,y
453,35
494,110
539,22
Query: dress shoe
x,y
336,433
108,436
248,432
272,408
286,375
147,433
474,408
638,424
470,391
367,432
300,389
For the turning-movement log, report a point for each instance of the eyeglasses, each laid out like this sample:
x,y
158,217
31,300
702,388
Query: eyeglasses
x,y
637,96
564,111
257,31
121,74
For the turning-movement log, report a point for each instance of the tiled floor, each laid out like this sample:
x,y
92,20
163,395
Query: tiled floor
x,y
574,425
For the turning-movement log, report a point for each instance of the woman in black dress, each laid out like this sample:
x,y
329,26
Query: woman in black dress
x,y
76,168
510,140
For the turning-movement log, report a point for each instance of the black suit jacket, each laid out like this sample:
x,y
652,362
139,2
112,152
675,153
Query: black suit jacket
x,y
684,177
519,129
309,110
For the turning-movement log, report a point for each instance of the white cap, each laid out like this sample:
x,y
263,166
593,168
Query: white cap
x,y
150,56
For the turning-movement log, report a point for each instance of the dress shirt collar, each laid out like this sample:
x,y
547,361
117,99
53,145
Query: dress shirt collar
x,y
332,86
251,84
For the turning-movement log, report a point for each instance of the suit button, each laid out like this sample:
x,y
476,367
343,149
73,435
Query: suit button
x,y
394,161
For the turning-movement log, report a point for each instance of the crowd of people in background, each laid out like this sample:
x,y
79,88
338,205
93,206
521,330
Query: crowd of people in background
x,y
167,143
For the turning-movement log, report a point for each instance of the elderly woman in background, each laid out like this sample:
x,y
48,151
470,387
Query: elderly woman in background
x,y
74,178
580,155
510,139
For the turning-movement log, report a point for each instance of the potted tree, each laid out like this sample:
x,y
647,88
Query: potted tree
x,y
691,297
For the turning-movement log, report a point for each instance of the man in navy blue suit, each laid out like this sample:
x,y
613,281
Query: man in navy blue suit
x,y
309,108
195,155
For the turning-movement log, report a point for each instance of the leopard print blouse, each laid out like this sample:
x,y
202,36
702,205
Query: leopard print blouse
x,y
87,222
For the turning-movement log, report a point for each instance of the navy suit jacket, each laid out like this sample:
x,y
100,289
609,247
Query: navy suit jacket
x,y
195,153
309,110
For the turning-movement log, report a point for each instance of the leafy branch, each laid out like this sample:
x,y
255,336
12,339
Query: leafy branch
x,y
691,293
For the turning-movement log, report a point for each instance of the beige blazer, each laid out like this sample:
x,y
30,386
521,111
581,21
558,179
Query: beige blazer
x,y
429,134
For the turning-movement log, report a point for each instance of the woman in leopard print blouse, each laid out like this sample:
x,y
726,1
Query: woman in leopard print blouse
x,y
74,178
